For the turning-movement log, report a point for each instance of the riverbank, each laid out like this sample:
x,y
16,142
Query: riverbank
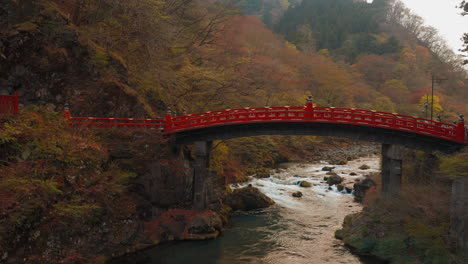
x,y
412,228
294,230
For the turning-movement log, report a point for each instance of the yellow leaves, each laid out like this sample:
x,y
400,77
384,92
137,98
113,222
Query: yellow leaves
x,y
284,4
75,211
99,59
177,50
291,46
324,52
427,101
384,104
220,156
26,26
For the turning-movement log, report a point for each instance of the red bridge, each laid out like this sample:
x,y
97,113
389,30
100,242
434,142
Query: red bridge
x,y
9,104
295,120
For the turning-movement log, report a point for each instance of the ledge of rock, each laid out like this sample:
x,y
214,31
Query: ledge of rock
x,y
248,198
361,187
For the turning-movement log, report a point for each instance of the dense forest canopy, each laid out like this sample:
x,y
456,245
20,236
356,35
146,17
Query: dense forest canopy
x,y
194,55
122,58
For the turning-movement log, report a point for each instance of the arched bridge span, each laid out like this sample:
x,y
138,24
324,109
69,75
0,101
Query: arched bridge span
x,y
359,124
394,131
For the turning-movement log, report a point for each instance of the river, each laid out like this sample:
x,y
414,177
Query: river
x,y
294,231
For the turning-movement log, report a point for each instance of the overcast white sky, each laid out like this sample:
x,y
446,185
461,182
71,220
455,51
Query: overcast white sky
x,y
443,15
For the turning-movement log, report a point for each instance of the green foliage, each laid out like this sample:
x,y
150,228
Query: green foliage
x,y
453,166
384,104
56,174
338,25
408,230
75,211
392,248
362,245
99,59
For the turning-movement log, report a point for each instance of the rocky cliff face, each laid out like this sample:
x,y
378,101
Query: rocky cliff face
x,y
48,62
156,205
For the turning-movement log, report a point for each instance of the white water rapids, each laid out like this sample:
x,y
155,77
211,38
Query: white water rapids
x,y
294,231
312,219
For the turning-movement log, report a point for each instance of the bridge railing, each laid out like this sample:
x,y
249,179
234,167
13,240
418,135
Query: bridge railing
x,y
307,113
130,123
386,120
9,104
233,116
318,114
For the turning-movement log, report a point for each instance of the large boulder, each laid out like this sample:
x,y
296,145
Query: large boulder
x,y
361,187
334,179
248,198
203,224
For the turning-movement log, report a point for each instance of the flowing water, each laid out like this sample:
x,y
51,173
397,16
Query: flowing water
x,y
294,231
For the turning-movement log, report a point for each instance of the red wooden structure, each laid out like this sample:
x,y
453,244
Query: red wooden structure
x,y
95,122
281,114
9,104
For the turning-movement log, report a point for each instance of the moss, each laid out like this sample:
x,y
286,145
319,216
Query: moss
x,y
75,211
339,234
26,26
387,247
364,167
363,245
99,59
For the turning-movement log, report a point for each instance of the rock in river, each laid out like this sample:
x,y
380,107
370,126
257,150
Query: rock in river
x,y
360,188
334,179
364,167
248,198
297,194
305,184
340,187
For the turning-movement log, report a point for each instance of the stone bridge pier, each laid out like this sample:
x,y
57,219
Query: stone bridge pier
x,y
201,174
392,166
459,213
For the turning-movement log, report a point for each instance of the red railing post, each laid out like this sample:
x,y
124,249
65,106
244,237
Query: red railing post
x,y
67,114
461,131
15,103
309,108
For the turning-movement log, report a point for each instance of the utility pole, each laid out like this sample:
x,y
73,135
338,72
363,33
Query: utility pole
x,y
434,81
426,106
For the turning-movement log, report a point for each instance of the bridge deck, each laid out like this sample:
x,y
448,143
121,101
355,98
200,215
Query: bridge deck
x,y
283,115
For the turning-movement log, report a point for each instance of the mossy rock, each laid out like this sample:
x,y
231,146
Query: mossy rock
x,y
305,184
342,162
334,179
339,234
363,245
364,167
327,168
